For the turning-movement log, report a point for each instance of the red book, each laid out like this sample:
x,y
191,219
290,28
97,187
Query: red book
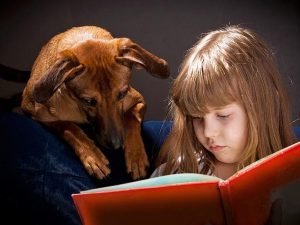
x,y
265,192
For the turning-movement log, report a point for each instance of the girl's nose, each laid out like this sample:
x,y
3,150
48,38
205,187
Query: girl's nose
x,y
210,128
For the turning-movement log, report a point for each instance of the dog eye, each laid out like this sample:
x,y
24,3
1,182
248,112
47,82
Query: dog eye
x,y
122,94
89,101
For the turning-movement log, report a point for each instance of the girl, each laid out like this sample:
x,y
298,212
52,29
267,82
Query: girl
x,y
229,107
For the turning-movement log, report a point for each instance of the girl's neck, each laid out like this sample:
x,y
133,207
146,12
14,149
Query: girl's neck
x,y
224,170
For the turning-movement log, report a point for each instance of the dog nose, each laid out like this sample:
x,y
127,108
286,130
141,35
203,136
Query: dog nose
x,y
115,142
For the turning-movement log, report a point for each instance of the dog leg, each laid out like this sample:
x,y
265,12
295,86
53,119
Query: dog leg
x,y
91,157
135,154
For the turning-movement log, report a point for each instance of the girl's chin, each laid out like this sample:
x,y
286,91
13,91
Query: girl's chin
x,y
226,160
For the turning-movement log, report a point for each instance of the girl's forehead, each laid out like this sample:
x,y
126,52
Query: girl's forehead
x,y
205,109
232,105
203,90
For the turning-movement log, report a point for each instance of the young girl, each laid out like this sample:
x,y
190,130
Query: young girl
x,y
229,107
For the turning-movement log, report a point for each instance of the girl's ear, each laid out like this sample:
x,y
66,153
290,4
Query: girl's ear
x,y
131,53
65,68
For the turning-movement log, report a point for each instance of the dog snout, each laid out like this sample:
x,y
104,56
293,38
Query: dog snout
x,y
114,141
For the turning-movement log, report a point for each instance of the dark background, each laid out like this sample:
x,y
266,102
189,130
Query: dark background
x,y
165,28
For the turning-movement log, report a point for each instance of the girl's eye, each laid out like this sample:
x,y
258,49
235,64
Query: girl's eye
x,y
223,116
89,101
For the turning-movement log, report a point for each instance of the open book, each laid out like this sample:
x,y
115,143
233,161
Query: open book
x,y
265,192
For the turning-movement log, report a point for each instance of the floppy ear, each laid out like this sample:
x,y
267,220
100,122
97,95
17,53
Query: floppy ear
x,y
131,53
65,68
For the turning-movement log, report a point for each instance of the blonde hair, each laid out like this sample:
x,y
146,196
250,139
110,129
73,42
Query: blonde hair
x,y
228,65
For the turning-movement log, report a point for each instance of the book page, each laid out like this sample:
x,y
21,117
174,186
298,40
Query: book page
x,y
172,179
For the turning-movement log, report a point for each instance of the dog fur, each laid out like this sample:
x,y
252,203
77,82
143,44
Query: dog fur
x,y
83,76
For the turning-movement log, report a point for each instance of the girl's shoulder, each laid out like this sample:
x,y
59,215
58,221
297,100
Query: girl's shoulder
x,y
158,171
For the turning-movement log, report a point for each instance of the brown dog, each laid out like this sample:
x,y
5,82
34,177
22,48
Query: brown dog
x,y
83,76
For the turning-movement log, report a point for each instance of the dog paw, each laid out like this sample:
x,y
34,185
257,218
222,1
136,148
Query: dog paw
x,y
96,164
137,163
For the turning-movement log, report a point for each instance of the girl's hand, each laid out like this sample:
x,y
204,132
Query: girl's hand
x,y
275,217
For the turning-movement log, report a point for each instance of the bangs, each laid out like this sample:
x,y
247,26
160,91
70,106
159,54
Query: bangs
x,y
204,86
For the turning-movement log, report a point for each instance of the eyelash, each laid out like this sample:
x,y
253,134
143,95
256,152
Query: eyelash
x,y
223,116
219,116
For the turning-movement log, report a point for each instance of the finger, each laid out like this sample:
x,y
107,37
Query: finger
x,y
276,215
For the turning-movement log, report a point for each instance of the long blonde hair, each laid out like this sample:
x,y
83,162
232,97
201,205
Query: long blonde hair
x,y
232,64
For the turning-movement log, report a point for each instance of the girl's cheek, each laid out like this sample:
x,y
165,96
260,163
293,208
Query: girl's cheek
x,y
200,135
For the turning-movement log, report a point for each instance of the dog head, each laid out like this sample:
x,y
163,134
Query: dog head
x,y
95,75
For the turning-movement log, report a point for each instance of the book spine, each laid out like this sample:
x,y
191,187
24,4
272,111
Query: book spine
x,y
226,199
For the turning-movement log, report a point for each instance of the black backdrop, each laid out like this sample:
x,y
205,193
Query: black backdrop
x,y
166,28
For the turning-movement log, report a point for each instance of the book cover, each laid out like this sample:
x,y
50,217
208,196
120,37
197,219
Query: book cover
x,y
265,192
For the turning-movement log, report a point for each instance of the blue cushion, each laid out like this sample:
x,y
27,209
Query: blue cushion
x,y
39,172
297,132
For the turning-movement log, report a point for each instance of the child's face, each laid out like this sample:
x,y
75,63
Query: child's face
x,y
223,131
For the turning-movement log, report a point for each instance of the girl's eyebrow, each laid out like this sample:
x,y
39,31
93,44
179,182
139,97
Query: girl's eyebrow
x,y
220,108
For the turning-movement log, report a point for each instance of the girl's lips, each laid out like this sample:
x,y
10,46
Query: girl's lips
x,y
216,148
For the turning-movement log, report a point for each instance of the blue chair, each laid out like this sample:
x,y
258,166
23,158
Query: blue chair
x,y
39,172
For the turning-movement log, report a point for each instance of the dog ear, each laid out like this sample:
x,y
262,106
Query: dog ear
x,y
65,68
131,53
